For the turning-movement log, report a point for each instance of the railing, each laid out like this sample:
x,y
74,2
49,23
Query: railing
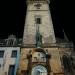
x,y
3,43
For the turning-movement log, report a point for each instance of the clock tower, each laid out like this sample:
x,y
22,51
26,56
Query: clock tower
x,y
38,24
40,53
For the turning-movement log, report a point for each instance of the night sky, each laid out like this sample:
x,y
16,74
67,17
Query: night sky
x,y
13,13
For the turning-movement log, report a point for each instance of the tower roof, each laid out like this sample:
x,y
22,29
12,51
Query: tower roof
x,y
31,1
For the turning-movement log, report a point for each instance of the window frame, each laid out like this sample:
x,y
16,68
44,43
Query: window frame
x,y
14,55
0,65
2,55
38,19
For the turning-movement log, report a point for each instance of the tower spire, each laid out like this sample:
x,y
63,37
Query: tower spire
x,y
65,37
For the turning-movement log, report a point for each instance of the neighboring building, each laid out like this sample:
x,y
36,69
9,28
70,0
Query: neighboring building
x,y
41,52
9,55
9,58
11,41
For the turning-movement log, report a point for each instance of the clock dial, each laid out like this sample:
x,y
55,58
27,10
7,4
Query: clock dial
x,y
39,70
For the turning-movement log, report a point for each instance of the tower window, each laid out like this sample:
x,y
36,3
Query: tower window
x,y
1,54
38,20
14,53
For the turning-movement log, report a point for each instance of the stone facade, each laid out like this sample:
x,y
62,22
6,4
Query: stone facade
x,y
38,10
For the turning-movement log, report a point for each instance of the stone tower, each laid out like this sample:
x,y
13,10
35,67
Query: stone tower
x,y
41,54
38,25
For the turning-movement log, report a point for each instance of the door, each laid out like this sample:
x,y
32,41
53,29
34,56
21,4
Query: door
x,y
11,70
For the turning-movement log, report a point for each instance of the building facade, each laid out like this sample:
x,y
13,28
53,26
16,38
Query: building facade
x,y
9,58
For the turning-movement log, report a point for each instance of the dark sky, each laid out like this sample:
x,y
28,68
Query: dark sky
x,y
13,13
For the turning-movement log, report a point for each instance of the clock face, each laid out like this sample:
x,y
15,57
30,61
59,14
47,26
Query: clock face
x,y
39,70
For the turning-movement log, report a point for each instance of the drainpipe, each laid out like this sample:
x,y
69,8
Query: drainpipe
x,y
17,62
